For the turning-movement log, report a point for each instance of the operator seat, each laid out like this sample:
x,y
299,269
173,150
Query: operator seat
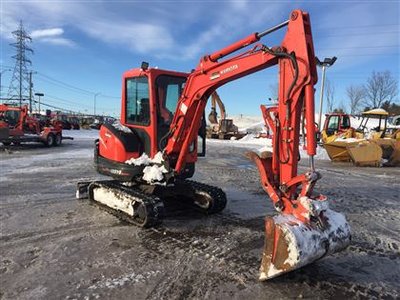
x,y
144,115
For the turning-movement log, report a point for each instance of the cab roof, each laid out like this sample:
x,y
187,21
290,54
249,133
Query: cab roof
x,y
154,71
376,111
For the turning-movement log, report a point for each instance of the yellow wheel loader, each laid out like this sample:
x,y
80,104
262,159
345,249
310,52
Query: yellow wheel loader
x,y
364,146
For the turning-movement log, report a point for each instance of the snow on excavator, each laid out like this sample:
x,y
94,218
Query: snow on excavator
x,y
151,154
363,146
223,128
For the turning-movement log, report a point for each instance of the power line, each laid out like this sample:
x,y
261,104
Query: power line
x,y
361,33
62,84
67,85
378,55
362,26
55,107
63,101
107,96
56,101
360,47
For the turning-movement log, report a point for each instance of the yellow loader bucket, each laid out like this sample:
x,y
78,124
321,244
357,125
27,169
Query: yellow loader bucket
x,y
394,159
291,244
337,150
391,151
365,154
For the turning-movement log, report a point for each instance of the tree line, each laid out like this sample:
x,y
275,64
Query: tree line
x,y
379,91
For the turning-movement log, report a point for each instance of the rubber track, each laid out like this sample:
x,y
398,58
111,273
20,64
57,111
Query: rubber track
x,y
154,206
217,194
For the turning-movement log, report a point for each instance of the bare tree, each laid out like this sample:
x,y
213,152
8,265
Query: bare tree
x,y
380,87
330,95
340,108
356,94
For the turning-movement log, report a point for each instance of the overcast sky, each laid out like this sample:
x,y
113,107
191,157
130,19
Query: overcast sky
x,y
89,44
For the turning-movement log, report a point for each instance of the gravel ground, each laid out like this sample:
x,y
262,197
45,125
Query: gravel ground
x,y
56,247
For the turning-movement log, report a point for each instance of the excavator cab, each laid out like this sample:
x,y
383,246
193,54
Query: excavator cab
x,y
149,100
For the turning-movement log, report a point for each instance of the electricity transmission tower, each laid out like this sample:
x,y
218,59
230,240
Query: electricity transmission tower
x,y
20,84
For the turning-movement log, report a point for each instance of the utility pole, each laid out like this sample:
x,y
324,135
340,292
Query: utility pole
x,y
94,104
328,62
30,92
39,95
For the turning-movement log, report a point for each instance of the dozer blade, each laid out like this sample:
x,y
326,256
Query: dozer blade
x,y
291,244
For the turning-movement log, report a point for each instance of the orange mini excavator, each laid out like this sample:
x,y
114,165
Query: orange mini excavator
x,y
152,152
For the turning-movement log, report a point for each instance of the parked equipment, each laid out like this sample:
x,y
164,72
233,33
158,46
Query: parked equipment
x,y
362,146
17,127
223,128
334,125
153,151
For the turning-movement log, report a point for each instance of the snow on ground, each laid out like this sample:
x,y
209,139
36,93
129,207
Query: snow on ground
x,y
263,144
256,123
56,247
249,123
82,134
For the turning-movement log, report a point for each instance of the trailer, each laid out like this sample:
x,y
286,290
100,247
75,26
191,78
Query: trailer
x,y
17,127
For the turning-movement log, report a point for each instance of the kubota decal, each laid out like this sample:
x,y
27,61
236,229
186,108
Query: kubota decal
x,y
229,69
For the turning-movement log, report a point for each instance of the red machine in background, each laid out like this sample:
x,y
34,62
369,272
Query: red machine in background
x,y
17,127
153,152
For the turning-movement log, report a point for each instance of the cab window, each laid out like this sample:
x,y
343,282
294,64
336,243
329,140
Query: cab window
x,y
12,117
137,101
333,123
345,122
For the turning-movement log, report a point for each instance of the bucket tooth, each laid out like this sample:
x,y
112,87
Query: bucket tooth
x,y
291,244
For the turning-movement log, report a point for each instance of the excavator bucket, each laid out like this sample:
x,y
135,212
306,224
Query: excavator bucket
x,y
291,244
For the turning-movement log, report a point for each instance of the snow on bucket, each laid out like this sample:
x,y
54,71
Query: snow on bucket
x,y
291,244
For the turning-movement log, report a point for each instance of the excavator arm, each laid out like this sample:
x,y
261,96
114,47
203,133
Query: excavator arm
x,y
297,76
216,100
305,218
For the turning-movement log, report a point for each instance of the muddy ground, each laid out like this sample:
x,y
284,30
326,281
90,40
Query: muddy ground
x,y
56,247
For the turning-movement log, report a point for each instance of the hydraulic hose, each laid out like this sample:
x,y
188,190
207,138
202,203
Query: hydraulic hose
x,y
292,57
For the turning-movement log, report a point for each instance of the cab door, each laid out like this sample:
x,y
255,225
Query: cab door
x,y
136,110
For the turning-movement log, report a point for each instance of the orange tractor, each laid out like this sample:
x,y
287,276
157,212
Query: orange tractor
x,y
153,151
17,126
